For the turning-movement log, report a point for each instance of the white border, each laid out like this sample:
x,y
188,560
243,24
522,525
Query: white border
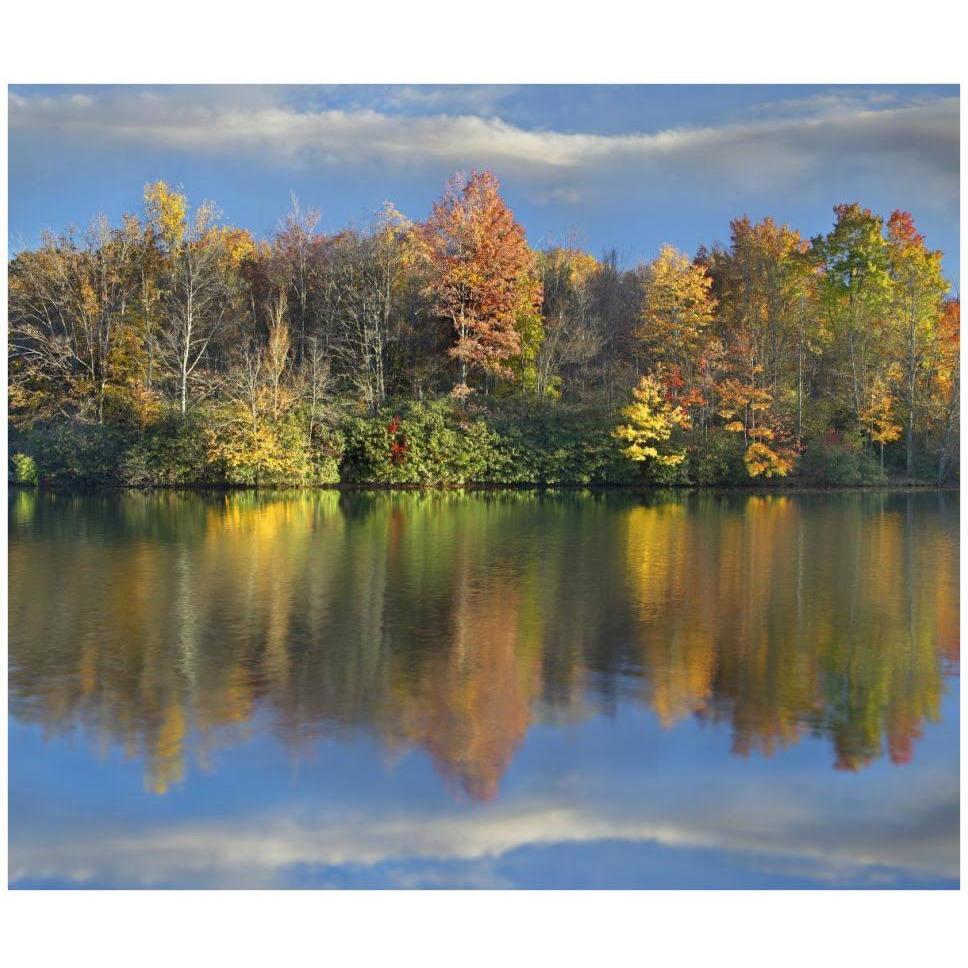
x,y
498,41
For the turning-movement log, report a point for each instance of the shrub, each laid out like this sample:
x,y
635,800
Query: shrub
x,y
718,460
171,451
418,442
23,469
75,453
544,443
840,464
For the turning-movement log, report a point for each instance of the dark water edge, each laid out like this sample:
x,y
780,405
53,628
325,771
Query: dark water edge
x,y
793,487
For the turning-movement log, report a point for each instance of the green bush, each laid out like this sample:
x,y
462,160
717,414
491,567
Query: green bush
x,y
172,451
75,454
839,464
327,454
23,469
925,465
416,443
718,460
545,443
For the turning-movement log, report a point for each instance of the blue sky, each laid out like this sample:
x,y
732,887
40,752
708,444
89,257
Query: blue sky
x,y
624,166
608,802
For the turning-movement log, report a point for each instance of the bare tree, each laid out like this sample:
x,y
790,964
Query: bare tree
x,y
297,263
367,270
568,323
197,298
68,302
316,381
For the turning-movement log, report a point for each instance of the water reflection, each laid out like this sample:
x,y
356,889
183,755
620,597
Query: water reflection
x,y
175,624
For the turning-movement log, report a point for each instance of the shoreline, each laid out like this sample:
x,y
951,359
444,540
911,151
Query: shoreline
x,y
791,488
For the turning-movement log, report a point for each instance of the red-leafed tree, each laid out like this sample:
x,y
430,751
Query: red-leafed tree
x,y
481,273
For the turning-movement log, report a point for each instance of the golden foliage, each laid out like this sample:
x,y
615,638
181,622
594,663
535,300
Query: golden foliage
x,y
652,420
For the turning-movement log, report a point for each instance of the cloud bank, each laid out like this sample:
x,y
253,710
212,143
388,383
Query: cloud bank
x,y
915,833
782,145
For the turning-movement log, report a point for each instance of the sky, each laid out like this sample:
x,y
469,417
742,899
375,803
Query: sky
x,y
611,802
624,167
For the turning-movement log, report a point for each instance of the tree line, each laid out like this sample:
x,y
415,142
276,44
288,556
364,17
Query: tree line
x,y
175,349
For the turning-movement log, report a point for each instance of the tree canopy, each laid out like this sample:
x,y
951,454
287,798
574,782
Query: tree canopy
x,y
175,338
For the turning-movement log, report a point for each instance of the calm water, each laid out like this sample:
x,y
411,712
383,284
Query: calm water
x,y
497,690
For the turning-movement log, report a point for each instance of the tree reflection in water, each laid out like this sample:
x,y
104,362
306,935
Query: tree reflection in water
x,y
453,622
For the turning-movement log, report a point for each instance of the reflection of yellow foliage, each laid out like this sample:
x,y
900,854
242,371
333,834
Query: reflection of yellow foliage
x,y
234,703
87,670
681,658
749,618
166,764
407,615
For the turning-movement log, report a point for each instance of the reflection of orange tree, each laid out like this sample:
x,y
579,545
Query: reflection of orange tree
x,y
466,670
471,705
451,622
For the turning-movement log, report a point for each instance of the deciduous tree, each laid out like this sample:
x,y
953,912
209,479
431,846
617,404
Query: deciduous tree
x,y
651,422
677,309
477,257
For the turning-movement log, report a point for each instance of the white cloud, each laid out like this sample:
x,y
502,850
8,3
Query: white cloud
x,y
787,145
916,832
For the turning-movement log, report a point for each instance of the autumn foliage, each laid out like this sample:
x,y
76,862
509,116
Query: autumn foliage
x,y
481,273
178,348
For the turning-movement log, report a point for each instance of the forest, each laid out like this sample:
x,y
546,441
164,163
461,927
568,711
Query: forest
x,y
177,350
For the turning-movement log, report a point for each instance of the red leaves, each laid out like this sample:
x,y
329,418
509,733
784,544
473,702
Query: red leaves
x,y
481,271
398,441
901,229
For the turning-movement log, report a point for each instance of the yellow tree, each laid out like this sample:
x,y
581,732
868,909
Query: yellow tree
x,y
677,309
201,261
877,416
257,435
651,421
745,409
763,277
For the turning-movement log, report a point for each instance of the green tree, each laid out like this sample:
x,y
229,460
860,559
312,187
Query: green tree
x,y
854,292
916,307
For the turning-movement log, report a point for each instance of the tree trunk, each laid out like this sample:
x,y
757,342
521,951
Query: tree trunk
x,y
910,440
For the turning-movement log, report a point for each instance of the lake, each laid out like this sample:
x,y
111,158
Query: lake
x,y
498,689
